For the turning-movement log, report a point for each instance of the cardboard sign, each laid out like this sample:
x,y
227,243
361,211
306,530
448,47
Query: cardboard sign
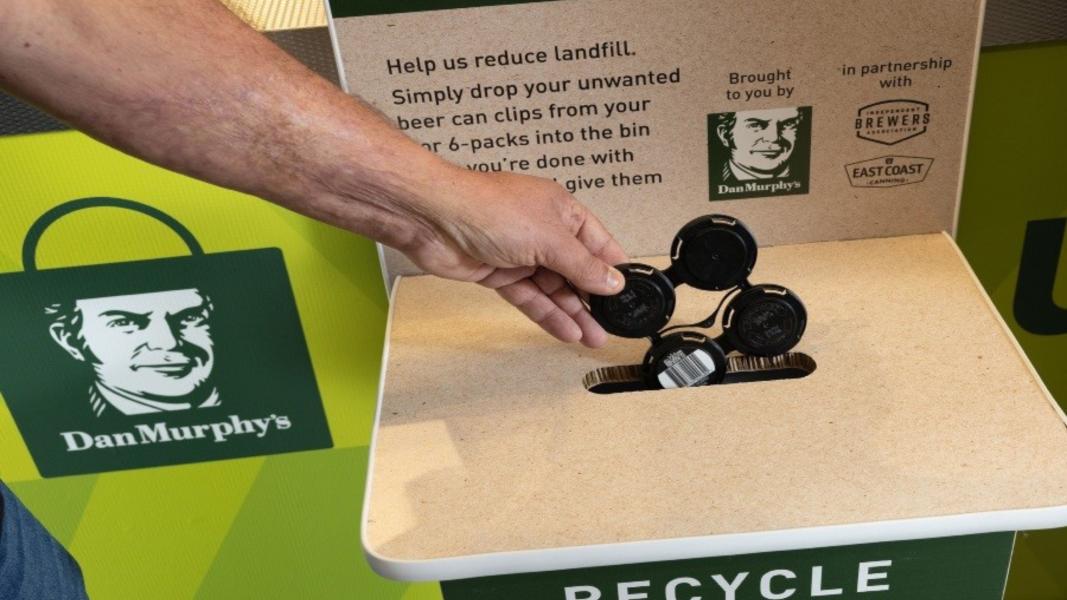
x,y
653,113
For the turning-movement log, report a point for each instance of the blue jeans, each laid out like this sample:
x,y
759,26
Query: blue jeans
x,y
33,566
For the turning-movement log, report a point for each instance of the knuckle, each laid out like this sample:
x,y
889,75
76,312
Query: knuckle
x,y
547,314
574,217
597,246
548,281
525,297
571,212
591,269
549,256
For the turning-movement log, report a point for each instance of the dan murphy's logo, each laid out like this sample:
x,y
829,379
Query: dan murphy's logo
x,y
147,353
892,121
756,153
155,362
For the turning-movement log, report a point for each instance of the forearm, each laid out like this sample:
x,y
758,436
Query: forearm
x,y
188,86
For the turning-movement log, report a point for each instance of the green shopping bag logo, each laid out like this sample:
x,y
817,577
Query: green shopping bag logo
x,y
155,362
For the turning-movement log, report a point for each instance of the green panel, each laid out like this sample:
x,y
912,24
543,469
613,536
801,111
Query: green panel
x,y
58,504
1015,157
422,591
297,534
343,328
362,8
153,533
1037,571
227,326
968,567
1014,172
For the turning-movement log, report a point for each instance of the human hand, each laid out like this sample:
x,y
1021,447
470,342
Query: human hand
x,y
524,237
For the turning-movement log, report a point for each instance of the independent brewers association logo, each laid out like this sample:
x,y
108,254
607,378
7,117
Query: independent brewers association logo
x,y
892,121
155,362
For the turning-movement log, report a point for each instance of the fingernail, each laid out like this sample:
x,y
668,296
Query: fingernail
x,y
614,279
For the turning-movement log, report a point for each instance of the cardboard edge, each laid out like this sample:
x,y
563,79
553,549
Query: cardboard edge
x,y
967,119
336,46
368,551
1007,332
604,555
383,266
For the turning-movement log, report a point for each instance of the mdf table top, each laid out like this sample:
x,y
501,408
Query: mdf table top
x,y
922,410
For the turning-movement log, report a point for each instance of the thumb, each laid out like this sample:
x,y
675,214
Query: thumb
x,y
571,259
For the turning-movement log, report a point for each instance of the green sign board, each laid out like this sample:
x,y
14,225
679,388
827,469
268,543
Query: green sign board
x,y
363,8
964,568
155,362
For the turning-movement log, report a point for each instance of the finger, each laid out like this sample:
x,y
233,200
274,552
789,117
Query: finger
x,y
593,335
571,259
555,286
501,277
552,284
599,241
539,308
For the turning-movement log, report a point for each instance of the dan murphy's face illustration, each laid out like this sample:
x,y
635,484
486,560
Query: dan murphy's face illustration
x,y
156,345
763,140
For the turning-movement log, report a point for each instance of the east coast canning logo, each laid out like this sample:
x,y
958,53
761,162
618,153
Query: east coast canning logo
x,y
156,362
888,171
892,121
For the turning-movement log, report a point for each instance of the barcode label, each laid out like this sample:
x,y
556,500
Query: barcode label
x,y
686,370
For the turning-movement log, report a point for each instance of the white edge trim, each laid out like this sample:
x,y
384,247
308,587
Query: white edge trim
x,y
967,119
578,557
384,268
365,513
336,47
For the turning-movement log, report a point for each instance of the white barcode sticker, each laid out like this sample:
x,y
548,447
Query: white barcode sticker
x,y
686,370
